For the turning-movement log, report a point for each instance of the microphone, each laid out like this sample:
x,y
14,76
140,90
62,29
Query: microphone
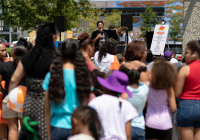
x,y
101,31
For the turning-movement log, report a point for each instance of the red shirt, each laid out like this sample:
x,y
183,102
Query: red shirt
x,y
191,89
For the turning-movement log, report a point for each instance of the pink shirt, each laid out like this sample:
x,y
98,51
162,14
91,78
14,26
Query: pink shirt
x,y
158,114
91,68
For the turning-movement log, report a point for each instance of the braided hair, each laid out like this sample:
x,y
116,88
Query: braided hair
x,y
107,47
69,51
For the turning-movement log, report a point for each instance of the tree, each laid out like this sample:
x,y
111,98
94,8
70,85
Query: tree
x,y
175,30
96,14
92,18
113,18
175,13
28,14
148,21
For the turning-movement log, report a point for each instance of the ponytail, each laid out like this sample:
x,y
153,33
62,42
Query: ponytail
x,y
56,82
82,77
134,75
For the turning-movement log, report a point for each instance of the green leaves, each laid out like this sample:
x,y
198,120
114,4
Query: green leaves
x,y
28,14
148,21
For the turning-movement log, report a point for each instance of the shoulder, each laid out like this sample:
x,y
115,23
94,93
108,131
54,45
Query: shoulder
x,y
81,137
184,71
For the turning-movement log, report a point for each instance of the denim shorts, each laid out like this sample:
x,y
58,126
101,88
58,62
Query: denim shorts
x,y
137,133
188,114
60,133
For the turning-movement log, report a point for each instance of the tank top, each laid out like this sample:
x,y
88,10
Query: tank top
x,y
191,89
158,113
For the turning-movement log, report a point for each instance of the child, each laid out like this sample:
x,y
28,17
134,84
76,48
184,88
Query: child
x,y
67,86
86,124
140,91
115,113
160,100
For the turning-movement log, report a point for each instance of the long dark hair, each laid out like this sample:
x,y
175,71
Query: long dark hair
x,y
89,117
19,51
107,47
44,41
133,75
69,51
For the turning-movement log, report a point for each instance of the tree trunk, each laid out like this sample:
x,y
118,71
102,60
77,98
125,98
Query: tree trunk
x,y
191,22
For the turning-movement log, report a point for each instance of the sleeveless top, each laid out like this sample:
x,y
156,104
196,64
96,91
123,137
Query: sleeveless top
x,y
158,113
191,89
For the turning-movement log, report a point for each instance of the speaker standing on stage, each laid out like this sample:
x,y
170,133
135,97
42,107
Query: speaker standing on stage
x,y
100,35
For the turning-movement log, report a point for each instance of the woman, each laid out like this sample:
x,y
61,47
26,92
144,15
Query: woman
x,y
99,36
188,89
67,86
36,64
6,71
135,54
87,49
105,59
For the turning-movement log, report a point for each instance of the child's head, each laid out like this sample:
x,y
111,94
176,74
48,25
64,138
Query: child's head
x,y
163,75
85,117
120,58
133,75
98,89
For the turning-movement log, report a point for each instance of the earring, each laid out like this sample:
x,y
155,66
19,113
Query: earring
x,y
90,49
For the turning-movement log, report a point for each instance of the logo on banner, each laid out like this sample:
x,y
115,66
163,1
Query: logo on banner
x,y
161,30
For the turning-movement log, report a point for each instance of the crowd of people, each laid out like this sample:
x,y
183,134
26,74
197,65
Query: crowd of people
x,y
83,90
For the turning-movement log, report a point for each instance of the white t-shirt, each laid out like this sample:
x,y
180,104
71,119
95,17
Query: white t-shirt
x,y
173,60
113,119
123,38
81,137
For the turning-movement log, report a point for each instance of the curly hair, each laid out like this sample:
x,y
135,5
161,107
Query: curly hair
x,y
163,75
85,41
19,51
44,41
69,51
107,47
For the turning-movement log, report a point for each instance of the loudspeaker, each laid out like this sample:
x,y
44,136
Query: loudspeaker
x,y
60,23
149,39
127,20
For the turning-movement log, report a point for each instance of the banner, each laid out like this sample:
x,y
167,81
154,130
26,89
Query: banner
x,y
159,39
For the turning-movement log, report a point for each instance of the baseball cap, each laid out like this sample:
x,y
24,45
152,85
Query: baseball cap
x,y
168,54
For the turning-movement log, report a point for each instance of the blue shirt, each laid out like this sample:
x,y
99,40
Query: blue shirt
x,y
138,100
61,113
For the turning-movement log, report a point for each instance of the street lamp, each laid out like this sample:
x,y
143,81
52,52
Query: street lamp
x,y
1,28
163,22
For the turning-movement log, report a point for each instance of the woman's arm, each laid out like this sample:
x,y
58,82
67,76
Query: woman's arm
x,y
48,114
128,130
17,76
183,73
172,100
95,40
